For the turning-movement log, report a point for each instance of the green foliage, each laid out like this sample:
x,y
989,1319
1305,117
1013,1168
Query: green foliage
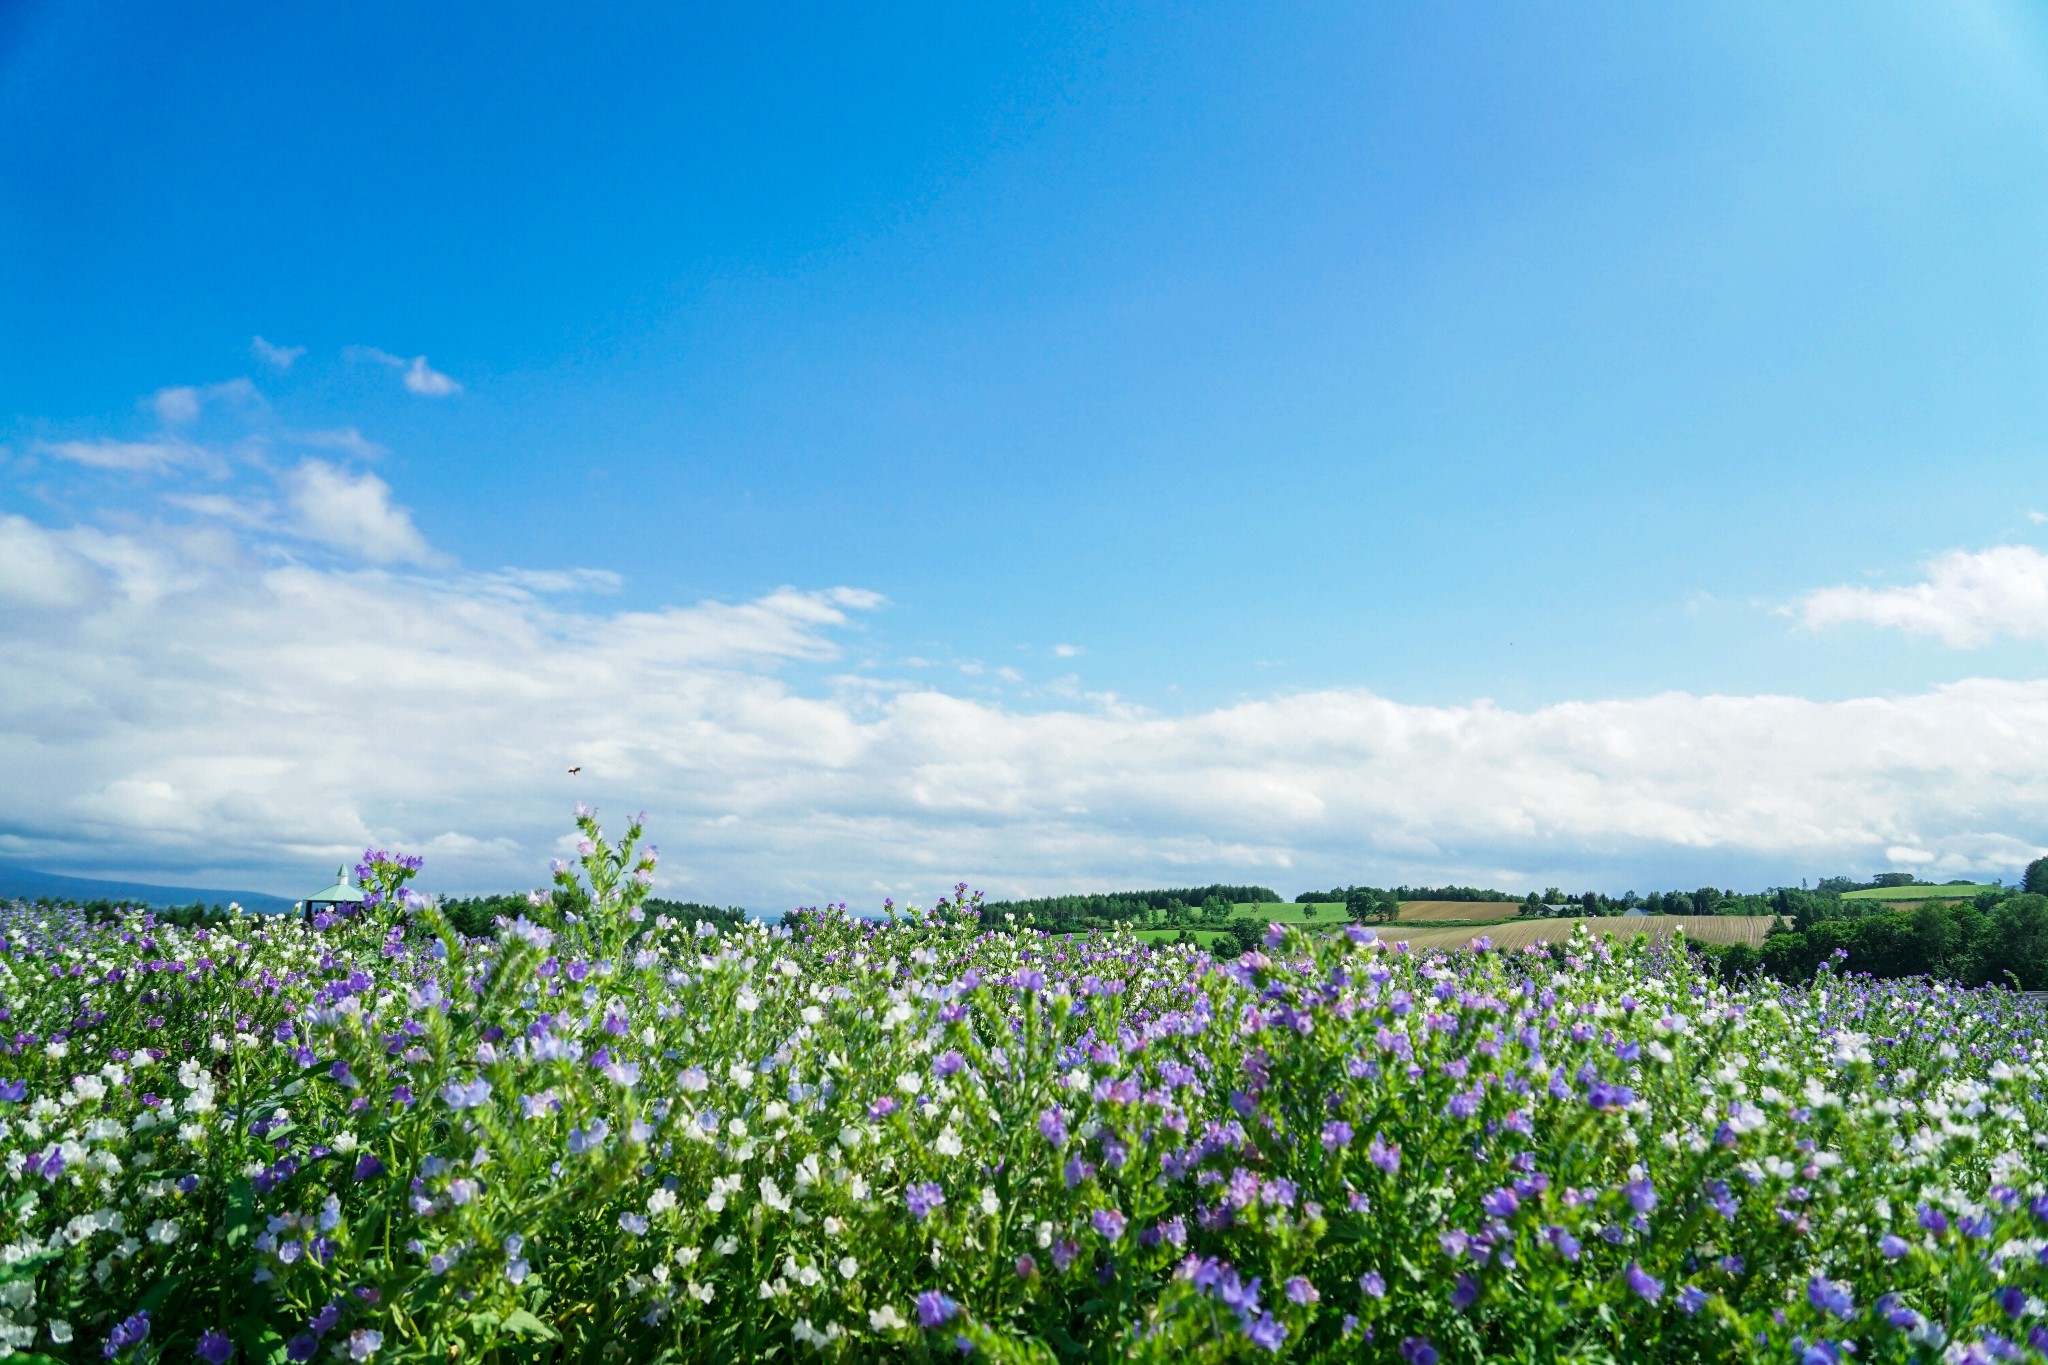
x,y
1178,908
2004,943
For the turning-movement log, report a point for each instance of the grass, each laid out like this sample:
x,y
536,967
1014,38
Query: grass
x,y
1748,929
1951,891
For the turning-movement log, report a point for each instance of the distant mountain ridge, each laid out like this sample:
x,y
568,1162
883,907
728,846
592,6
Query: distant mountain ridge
x,y
27,883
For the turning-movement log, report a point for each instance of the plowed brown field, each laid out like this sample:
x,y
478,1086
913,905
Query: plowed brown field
x,y
1422,912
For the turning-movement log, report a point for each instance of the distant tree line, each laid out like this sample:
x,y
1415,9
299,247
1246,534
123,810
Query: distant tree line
x,y
2000,938
1179,908
1409,893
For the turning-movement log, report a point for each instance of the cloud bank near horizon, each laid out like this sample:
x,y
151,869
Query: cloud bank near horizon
x,y
277,668
192,700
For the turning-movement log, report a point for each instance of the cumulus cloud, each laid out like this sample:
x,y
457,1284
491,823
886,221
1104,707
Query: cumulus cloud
x,y
353,512
38,570
420,377
1968,599
202,706
1065,651
275,356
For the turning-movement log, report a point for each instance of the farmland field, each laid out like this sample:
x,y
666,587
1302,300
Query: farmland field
x,y
1423,912
1953,891
1748,929
594,1137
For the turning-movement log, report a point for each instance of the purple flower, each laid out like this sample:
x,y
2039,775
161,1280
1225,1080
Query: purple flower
x,y
1466,1293
368,1166
1387,1156
1566,1244
1609,1097
13,1092
1643,1284
922,1199
1830,1296
948,1063
1501,1203
1691,1299
1109,1223
1418,1351
1336,1133
1027,1266
1933,1219
2013,1300
128,1332
1052,1126
302,1347
1371,1283
935,1309
1641,1195
1267,1332
1301,1291
213,1348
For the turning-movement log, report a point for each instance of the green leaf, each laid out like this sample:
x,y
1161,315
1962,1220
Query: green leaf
x,y
241,1211
521,1323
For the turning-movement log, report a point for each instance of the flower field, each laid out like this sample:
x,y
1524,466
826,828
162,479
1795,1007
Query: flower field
x,y
599,1137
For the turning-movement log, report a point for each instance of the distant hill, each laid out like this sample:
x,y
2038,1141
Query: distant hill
x,y
1918,891
27,883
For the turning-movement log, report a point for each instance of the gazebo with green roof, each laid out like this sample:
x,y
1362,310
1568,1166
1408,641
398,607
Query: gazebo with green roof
x,y
341,893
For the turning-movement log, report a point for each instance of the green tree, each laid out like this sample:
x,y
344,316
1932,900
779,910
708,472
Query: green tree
x,y
2012,947
2036,883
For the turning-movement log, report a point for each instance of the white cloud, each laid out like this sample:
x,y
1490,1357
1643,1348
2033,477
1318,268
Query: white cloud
x,y
183,404
277,357
420,377
37,569
353,512
1065,651
198,706
1967,600
157,456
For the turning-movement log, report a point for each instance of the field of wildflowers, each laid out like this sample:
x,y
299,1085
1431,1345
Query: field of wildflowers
x,y
599,1136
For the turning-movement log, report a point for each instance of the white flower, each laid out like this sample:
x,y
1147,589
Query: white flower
x,y
949,1142
886,1319
747,1000
848,1267
633,1223
772,1195
60,1331
165,1231
909,1083
813,1015
363,1343
990,1205
344,1142
661,1201
742,1075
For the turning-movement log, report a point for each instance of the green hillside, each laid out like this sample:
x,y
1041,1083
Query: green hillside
x,y
1961,891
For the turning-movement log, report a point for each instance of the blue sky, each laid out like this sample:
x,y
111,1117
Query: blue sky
x,y
1160,364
